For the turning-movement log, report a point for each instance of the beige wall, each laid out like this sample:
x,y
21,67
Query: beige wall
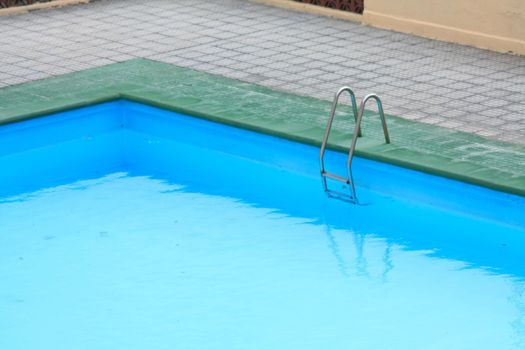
x,y
493,24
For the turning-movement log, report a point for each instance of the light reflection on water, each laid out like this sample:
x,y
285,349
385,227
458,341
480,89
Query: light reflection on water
x,y
130,261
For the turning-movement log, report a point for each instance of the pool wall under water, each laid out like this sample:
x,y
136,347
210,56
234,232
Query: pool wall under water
x,y
108,125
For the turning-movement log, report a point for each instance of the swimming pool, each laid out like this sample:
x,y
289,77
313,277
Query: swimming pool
x,y
127,226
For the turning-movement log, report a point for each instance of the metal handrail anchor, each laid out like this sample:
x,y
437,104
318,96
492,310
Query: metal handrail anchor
x,y
352,197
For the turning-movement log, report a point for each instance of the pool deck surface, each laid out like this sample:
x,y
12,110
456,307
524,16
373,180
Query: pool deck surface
x,y
457,87
432,149
453,110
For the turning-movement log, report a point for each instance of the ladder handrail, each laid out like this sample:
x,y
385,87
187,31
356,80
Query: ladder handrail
x,y
331,119
358,127
360,118
357,132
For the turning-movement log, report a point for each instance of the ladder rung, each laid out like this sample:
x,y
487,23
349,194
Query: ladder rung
x,y
341,195
335,177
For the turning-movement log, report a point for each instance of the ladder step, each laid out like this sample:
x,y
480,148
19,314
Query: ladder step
x,y
342,196
335,177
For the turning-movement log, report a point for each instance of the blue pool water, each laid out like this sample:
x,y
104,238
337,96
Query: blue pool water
x,y
123,226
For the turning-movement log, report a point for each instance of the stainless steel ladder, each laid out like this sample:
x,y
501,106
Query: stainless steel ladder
x,y
358,116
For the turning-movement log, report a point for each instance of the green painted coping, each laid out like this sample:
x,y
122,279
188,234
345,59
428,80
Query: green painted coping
x,y
418,146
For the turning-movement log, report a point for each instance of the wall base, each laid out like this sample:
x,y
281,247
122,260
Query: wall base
x,y
410,26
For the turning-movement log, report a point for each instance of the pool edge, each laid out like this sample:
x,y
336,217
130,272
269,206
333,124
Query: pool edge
x,y
148,82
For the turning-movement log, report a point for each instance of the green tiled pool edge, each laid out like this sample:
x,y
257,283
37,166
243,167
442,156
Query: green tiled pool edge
x,y
432,149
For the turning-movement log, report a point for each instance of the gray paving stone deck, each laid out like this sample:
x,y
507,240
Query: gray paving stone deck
x,y
450,85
